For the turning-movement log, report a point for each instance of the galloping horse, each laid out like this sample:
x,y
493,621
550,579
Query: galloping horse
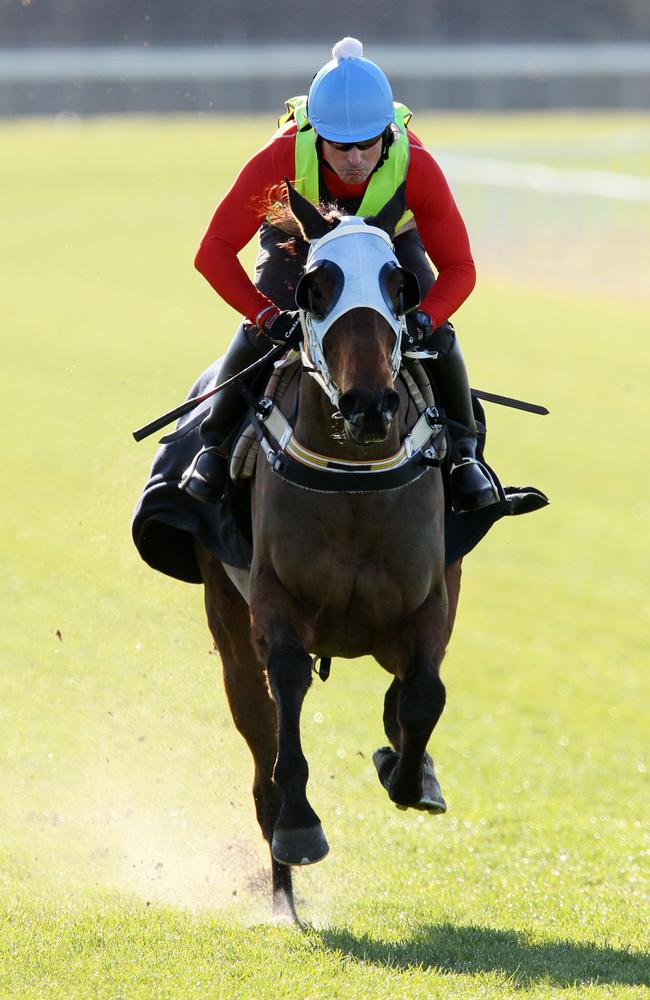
x,y
348,539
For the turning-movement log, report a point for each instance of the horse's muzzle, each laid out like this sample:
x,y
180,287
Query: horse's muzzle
x,y
369,415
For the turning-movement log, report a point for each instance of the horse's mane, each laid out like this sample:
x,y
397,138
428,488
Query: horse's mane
x,y
278,212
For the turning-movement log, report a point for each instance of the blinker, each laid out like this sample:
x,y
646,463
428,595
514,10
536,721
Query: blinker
x,y
408,296
308,295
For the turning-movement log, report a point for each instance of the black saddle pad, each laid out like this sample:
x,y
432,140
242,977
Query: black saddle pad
x,y
166,521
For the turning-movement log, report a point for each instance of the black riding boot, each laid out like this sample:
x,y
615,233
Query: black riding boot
x,y
471,484
205,479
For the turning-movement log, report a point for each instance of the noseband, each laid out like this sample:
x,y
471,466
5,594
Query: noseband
x,y
364,255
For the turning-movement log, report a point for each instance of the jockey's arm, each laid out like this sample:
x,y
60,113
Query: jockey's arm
x,y
235,222
243,208
443,233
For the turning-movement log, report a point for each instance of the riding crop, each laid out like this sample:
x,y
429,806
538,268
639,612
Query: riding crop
x,y
516,404
190,404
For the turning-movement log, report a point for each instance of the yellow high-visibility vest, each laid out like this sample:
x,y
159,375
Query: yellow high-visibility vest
x,y
383,183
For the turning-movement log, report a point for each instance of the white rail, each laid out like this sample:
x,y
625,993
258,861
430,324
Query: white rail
x,y
545,179
239,62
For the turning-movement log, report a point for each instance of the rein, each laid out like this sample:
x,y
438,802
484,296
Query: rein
x,y
190,404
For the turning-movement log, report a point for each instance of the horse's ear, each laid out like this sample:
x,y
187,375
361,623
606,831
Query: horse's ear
x,y
311,222
388,217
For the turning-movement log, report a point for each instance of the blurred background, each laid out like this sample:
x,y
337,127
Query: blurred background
x,y
79,58
87,57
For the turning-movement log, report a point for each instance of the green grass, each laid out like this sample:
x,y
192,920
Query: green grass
x,y
591,141
131,864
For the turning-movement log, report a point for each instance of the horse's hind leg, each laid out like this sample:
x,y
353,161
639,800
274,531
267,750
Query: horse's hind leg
x,y
251,705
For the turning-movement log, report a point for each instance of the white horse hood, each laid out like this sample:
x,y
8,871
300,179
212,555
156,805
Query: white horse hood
x,y
361,252
361,256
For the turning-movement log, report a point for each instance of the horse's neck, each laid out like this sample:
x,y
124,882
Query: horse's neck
x,y
317,428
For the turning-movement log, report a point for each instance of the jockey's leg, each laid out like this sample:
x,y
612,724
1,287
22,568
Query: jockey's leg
x,y
277,271
206,477
472,486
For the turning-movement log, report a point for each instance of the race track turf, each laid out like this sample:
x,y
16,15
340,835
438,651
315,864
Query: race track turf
x,y
131,865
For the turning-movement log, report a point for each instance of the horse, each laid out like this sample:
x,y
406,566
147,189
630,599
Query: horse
x,y
348,540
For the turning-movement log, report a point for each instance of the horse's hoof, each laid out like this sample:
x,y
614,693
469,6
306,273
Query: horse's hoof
x,y
385,760
432,800
299,847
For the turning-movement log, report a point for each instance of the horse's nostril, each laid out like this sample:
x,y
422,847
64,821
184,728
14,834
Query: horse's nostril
x,y
349,404
391,402
354,405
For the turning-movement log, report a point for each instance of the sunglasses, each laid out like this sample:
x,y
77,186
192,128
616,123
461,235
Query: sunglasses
x,y
343,147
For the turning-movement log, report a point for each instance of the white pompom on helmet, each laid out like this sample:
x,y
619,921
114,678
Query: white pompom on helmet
x,y
350,99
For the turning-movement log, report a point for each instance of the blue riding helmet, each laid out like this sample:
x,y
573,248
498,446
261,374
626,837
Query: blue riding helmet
x,y
350,99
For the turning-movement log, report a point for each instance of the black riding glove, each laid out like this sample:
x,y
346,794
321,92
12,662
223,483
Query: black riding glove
x,y
283,327
419,332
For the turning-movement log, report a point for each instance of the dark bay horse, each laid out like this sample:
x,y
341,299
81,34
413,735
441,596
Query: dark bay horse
x,y
349,571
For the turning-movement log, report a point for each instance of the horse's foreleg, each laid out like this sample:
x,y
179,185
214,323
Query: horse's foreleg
x,y
252,707
255,716
282,633
391,724
411,710
405,714
453,575
298,838
420,701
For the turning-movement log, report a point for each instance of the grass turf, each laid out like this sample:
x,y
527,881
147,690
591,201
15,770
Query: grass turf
x,y
131,861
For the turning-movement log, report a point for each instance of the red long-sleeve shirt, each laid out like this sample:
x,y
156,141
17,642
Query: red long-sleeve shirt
x,y
242,210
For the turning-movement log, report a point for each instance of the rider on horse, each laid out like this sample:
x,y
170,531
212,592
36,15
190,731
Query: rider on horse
x,y
349,145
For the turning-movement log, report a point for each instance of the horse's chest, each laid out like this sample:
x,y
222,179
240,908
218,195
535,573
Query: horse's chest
x,y
355,568
353,585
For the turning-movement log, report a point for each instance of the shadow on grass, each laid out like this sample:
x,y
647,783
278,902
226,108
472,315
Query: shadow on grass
x,y
468,950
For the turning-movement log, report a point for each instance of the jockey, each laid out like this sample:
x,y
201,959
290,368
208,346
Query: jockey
x,y
346,144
